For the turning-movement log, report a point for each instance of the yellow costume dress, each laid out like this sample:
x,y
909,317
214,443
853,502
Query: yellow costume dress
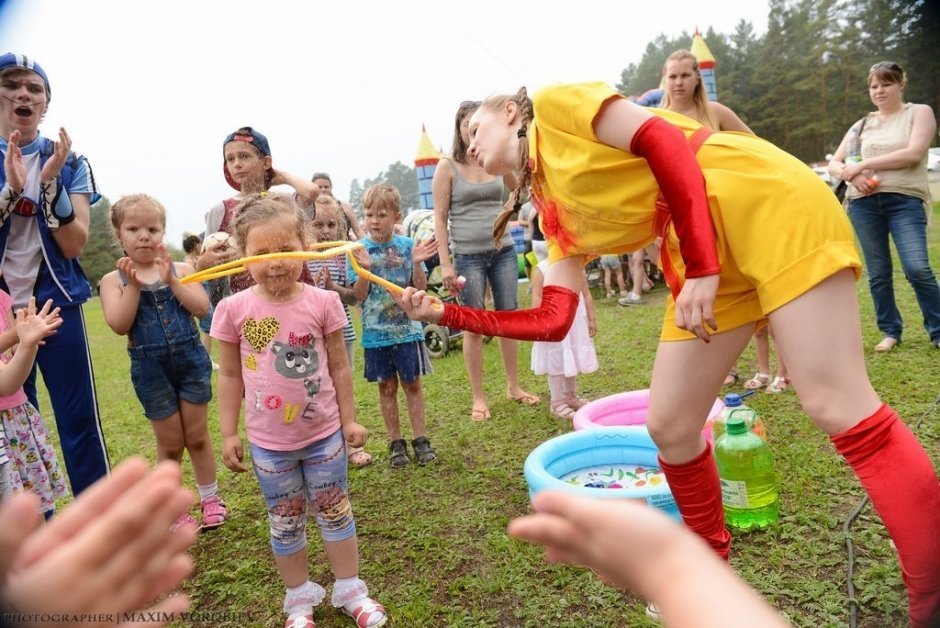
x,y
779,229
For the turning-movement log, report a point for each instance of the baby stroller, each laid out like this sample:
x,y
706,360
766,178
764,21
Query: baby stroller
x,y
419,225
438,338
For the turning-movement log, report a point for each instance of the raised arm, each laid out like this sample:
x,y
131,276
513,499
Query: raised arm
x,y
192,296
440,190
119,301
352,220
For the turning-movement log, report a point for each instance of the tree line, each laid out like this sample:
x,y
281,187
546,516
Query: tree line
x,y
800,85
803,83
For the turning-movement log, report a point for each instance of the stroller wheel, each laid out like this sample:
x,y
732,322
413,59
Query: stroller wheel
x,y
437,340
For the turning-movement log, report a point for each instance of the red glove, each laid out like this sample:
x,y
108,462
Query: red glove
x,y
680,179
549,322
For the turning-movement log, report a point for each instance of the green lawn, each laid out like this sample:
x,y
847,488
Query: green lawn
x,y
433,543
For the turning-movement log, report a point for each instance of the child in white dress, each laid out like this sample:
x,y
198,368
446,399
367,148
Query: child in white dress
x,y
562,361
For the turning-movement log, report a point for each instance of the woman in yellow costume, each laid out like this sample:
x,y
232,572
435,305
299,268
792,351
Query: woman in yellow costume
x,y
749,233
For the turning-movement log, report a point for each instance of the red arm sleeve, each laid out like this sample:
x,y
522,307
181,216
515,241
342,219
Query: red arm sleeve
x,y
680,179
548,322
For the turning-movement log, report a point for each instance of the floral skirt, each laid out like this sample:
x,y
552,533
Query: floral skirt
x,y
33,465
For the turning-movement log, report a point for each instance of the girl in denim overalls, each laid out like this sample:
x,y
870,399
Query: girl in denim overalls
x,y
170,369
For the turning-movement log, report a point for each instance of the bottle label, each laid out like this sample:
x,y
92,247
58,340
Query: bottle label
x,y
734,493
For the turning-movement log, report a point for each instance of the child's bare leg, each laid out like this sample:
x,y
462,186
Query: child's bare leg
x,y
198,442
170,436
621,282
762,347
414,397
343,556
388,402
293,567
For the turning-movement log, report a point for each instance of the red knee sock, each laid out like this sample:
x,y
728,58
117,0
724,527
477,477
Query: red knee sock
x,y
697,491
901,482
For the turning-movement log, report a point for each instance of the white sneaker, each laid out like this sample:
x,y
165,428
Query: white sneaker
x,y
653,613
630,299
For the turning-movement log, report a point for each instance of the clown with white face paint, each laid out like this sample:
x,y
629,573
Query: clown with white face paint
x,y
45,194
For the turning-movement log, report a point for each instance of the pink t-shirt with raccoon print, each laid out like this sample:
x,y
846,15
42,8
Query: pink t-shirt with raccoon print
x,y
290,401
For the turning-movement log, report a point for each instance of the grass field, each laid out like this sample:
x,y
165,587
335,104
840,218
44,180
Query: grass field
x,y
433,544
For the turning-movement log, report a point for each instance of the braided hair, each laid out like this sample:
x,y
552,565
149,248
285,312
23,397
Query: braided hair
x,y
526,116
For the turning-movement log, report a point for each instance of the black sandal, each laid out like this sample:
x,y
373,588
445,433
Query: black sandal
x,y
424,453
398,454
732,378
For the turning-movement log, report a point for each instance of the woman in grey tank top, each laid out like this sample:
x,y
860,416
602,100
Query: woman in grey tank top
x,y
466,203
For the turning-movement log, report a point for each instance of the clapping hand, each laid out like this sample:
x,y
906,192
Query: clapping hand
x,y
53,165
164,265
362,258
127,268
13,163
33,326
424,250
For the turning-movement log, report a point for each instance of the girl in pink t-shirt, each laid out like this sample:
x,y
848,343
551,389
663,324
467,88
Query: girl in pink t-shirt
x,y
282,351
28,461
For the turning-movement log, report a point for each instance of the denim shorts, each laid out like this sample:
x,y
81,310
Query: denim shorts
x,y
408,361
313,476
205,323
499,269
165,374
610,261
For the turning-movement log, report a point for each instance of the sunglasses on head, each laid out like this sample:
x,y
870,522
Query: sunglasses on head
x,y
888,65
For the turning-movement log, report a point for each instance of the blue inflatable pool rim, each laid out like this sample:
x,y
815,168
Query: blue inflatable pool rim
x,y
601,446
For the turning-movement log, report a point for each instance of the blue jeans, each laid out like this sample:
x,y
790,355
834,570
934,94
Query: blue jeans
x,y
877,216
498,268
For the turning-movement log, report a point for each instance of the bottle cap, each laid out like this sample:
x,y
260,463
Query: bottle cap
x,y
736,425
732,400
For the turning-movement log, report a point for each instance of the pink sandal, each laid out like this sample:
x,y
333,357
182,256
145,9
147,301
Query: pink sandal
x,y
214,512
303,621
561,409
369,614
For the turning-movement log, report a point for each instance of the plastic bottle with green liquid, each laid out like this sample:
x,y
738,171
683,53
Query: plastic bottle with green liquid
x,y
748,482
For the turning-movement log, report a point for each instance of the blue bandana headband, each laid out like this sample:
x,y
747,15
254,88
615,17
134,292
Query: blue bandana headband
x,y
10,60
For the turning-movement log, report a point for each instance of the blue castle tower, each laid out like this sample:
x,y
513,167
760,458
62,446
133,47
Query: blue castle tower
x,y
425,165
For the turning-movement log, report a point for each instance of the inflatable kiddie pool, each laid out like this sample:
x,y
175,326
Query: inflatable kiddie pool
x,y
629,408
605,462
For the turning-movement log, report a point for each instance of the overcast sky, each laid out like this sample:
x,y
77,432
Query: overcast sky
x,y
148,90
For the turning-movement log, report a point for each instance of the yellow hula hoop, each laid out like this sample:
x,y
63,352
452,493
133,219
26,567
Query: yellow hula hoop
x,y
330,249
